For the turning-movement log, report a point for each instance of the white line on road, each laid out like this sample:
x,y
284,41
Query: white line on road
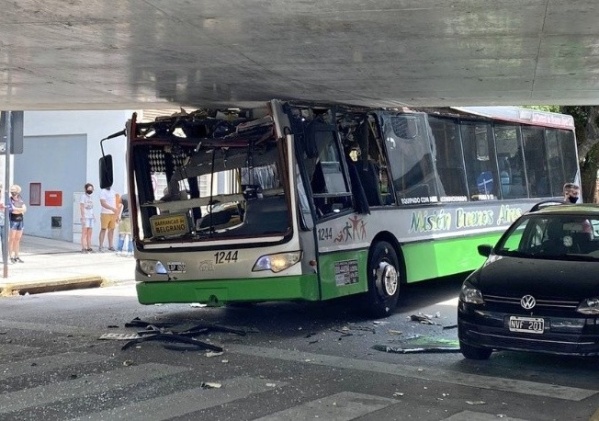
x,y
479,416
343,406
423,373
84,386
47,363
48,328
185,402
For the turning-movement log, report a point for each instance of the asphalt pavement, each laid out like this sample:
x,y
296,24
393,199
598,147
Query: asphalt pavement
x,y
53,265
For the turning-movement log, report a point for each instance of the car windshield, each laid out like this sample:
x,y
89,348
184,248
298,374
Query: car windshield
x,y
552,236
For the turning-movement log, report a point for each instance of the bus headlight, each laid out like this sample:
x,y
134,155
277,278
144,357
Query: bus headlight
x,y
151,267
277,262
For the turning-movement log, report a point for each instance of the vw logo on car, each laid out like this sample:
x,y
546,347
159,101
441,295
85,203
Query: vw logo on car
x,y
528,302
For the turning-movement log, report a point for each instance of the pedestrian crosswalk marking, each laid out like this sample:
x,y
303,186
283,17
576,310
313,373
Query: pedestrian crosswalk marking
x,y
47,328
343,406
426,373
479,416
46,363
84,386
185,402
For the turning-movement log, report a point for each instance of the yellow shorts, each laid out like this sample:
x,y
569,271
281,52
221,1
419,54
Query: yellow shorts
x,y
107,221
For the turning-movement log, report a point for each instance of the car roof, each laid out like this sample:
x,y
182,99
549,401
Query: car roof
x,y
582,209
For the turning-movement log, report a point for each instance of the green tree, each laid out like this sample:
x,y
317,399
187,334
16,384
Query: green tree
x,y
586,120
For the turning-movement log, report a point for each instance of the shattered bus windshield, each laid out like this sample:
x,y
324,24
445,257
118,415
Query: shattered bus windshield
x,y
225,184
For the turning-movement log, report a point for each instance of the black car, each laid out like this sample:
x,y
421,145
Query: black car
x,y
538,289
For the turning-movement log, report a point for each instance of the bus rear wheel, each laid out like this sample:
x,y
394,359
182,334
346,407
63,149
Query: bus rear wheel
x,y
383,280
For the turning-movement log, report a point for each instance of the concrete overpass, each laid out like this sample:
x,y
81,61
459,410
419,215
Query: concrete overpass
x,y
117,54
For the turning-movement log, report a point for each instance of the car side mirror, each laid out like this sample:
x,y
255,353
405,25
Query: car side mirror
x,y
485,250
106,176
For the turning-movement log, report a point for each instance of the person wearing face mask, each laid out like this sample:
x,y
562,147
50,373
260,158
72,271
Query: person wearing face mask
x,y
571,193
16,211
86,205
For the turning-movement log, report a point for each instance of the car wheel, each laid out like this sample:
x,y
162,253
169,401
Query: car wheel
x,y
383,280
475,352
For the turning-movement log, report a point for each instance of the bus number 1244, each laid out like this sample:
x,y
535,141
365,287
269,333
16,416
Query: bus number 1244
x,y
325,234
225,257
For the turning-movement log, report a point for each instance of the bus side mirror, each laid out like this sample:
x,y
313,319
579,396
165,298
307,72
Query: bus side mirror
x,y
106,177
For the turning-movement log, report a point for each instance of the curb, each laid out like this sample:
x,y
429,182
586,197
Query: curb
x,y
50,285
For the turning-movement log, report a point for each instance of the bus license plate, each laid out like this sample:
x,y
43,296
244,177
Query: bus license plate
x,y
527,324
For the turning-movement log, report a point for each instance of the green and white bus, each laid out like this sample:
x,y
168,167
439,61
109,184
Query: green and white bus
x,y
299,201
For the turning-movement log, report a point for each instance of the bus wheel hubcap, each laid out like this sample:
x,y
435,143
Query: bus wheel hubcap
x,y
386,277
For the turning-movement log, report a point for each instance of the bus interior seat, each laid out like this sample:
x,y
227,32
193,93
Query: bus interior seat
x,y
369,176
216,218
504,177
269,214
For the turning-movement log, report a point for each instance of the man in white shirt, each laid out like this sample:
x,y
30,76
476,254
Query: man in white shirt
x,y
108,217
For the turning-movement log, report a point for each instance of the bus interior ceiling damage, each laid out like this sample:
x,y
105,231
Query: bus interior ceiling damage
x,y
200,175
215,174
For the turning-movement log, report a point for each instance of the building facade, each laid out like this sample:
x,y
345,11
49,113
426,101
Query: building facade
x,y
60,155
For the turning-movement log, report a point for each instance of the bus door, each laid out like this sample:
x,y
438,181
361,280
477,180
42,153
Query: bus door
x,y
326,186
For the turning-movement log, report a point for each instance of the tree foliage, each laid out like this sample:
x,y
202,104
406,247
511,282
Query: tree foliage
x,y
586,121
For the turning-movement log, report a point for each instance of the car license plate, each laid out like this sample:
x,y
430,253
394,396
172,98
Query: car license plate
x,y
527,324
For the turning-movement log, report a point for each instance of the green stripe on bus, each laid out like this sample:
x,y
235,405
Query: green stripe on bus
x,y
443,257
229,290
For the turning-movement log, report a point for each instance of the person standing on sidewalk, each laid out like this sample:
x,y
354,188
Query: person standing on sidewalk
x,y
16,212
2,218
108,217
86,205
125,244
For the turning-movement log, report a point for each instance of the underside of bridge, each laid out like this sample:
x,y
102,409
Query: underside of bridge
x,y
117,54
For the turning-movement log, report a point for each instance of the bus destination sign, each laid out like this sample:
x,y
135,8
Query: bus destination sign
x,y
169,225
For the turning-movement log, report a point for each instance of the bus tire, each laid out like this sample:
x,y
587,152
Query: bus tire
x,y
383,280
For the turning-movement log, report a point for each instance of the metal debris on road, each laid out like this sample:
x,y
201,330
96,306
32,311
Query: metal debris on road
x,y
119,336
400,350
158,332
424,319
417,344
210,385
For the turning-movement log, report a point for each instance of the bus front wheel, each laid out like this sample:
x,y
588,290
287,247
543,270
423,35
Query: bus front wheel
x,y
383,280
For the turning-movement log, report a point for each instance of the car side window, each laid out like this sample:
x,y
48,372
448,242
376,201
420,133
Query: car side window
x,y
517,240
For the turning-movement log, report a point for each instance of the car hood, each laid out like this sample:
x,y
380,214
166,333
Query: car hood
x,y
512,276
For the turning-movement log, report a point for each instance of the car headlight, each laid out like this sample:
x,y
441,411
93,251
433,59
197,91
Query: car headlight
x,y
151,267
589,306
471,295
277,262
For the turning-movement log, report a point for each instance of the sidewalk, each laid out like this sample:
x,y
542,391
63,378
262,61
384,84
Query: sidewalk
x,y
53,265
